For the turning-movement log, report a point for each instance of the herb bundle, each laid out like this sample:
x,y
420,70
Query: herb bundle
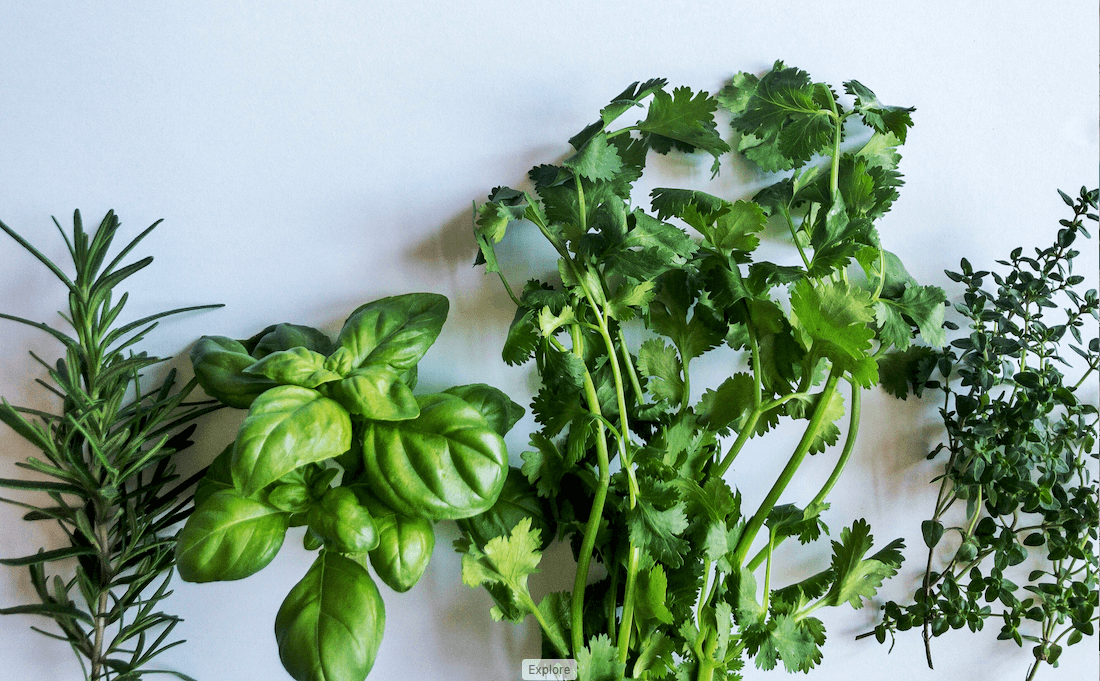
x,y
106,468
1018,442
336,441
674,577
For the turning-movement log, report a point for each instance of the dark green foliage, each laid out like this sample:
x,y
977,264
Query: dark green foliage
x,y
107,467
629,461
1017,447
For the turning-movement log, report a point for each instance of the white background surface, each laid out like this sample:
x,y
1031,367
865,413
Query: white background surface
x,y
308,157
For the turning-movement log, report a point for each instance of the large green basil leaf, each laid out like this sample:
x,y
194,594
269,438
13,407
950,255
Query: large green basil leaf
x,y
342,522
375,392
394,331
518,500
497,408
218,476
447,463
296,366
219,364
229,537
287,427
331,623
405,544
286,336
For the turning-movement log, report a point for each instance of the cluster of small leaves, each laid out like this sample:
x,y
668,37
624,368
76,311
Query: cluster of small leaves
x,y
1018,442
106,470
681,598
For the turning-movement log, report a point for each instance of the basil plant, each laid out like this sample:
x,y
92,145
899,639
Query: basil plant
x,y
337,441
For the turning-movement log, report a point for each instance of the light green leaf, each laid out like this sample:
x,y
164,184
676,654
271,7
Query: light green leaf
x,y
330,625
287,427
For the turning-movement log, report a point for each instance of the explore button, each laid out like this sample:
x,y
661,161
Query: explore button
x,y
549,670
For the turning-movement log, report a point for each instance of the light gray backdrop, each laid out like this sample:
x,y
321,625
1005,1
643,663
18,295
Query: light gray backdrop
x,y
308,157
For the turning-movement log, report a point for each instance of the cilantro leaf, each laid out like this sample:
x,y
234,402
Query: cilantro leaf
x,y
854,577
599,661
920,306
657,520
785,118
596,160
836,314
901,372
723,408
894,120
661,363
684,121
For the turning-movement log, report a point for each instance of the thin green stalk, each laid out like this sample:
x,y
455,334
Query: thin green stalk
x,y
785,477
584,558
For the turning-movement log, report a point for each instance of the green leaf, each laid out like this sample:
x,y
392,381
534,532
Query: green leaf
x,y
650,248
723,408
784,117
220,364
902,372
596,160
497,408
330,625
405,546
376,392
599,661
920,306
684,121
280,337
229,537
856,578
661,363
297,366
446,463
797,642
342,522
394,331
287,427
932,531
49,556
657,521
651,595
735,229
893,120
835,314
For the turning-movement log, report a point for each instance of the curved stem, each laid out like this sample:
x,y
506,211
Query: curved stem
x,y
816,419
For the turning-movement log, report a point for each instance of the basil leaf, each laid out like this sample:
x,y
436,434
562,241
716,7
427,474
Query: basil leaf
x,y
405,544
497,408
229,537
343,524
219,364
330,625
287,427
297,366
287,336
394,331
447,463
375,392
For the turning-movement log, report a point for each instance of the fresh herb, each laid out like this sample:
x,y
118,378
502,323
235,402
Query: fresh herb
x,y
1018,442
106,467
630,461
335,440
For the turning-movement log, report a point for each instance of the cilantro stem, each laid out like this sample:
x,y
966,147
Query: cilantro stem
x,y
845,454
849,446
786,211
789,470
627,621
584,558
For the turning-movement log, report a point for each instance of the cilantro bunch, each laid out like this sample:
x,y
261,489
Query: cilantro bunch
x,y
1019,439
632,466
